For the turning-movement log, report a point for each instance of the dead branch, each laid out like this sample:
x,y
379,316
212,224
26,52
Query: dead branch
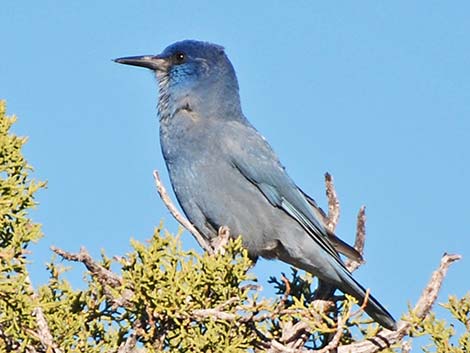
x,y
104,275
331,220
429,295
333,203
360,239
361,231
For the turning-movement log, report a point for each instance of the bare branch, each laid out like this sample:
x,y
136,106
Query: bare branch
x,y
360,239
429,295
332,219
104,275
44,333
178,216
333,203
361,231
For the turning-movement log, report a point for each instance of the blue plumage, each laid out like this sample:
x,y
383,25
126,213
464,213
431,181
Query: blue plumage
x,y
224,172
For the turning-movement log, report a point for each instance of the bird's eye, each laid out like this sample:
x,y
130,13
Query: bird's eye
x,y
179,58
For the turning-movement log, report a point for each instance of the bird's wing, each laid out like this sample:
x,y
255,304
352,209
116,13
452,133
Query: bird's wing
x,y
257,162
338,244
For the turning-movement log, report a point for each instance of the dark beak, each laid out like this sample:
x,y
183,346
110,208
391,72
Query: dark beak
x,y
149,61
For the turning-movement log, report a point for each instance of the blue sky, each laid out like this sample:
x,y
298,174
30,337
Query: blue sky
x,y
377,94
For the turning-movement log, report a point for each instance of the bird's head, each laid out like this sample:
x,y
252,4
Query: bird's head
x,y
194,75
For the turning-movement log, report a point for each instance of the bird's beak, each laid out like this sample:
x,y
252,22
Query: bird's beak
x,y
153,62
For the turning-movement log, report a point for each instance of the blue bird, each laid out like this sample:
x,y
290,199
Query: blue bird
x,y
224,173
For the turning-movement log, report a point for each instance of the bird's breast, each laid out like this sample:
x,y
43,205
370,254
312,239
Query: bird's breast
x,y
187,137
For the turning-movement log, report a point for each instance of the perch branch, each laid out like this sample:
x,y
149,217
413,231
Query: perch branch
x,y
178,216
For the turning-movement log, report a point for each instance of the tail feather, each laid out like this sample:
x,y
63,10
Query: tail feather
x,y
373,308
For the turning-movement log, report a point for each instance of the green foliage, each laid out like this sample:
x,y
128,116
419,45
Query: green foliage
x,y
161,288
16,232
170,284
159,297
443,337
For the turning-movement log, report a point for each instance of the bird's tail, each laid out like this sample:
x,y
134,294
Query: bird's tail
x,y
373,308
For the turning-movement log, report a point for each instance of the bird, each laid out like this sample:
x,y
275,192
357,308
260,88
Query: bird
x,y
224,172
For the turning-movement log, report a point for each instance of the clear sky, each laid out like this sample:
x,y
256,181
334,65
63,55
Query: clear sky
x,y
376,93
